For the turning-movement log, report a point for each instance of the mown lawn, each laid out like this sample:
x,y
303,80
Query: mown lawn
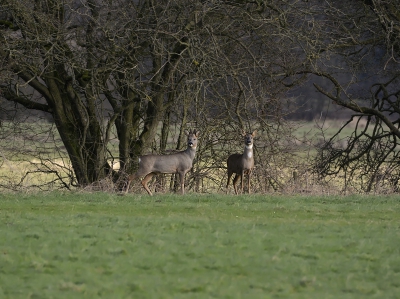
x,y
82,245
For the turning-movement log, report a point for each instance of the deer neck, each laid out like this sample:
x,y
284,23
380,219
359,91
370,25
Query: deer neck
x,y
248,151
191,151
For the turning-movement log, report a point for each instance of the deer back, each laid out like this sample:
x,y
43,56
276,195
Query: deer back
x,y
165,163
178,162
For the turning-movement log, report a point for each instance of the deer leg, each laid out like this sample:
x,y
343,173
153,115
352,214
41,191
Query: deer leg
x,y
248,182
182,178
130,179
146,179
241,180
229,178
236,178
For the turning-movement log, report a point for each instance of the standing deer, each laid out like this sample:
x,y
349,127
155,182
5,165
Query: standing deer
x,y
242,164
180,163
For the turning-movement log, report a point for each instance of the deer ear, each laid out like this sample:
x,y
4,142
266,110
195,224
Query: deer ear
x,y
254,133
244,133
196,132
187,132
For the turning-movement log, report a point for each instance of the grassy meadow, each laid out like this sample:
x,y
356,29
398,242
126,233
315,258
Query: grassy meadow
x,y
99,245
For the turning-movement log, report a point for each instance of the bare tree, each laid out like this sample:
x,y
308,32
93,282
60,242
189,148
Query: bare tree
x,y
115,75
353,59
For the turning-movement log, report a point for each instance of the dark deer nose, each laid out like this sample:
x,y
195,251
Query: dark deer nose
x,y
190,143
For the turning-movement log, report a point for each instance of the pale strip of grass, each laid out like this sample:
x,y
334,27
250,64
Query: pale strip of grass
x,y
198,246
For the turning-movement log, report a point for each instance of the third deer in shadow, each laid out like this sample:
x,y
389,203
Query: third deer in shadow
x,y
241,164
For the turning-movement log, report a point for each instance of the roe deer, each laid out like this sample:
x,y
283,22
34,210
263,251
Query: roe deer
x,y
242,164
180,163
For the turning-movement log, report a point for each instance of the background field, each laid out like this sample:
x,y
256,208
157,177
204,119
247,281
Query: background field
x,y
38,162
198,246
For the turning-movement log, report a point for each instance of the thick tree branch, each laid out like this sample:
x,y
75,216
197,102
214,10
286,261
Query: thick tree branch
x,y
13,97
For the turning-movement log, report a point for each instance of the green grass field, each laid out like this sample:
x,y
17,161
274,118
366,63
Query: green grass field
x,y
82,245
